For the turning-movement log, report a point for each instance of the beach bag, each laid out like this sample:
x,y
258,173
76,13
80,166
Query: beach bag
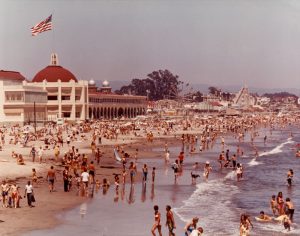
x,y
32,198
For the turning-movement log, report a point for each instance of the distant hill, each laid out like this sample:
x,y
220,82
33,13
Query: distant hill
x,y
204,88
235,88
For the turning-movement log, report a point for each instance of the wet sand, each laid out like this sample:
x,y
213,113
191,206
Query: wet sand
x,y
49,205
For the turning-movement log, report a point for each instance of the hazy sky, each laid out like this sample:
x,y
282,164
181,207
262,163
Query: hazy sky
x,y
223,42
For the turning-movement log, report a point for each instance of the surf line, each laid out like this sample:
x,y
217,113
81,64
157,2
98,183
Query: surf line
x,y
277,149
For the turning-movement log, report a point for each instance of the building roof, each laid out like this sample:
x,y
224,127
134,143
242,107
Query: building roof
x,y
53,73
12,75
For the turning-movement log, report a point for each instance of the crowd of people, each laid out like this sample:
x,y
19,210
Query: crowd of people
x,y
80,167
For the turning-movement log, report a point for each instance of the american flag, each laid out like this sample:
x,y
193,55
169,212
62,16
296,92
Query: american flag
x,y
43,26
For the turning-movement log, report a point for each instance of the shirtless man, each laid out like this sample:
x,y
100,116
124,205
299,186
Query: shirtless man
x,y
51,177
289,208
157,224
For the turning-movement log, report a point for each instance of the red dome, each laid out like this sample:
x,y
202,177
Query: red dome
x,y
11,75
53,74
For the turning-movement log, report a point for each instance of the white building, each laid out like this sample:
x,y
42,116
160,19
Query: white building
x,y
67,97
20,102
244,99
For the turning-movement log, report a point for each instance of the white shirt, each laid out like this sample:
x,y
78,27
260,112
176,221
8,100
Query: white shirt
x,y
29,188
40,152
85,176
195,232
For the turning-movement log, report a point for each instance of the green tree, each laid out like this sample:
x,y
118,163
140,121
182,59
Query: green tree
x,y
161,84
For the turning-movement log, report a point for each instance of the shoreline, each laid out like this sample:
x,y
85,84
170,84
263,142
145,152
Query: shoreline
x,y
49,205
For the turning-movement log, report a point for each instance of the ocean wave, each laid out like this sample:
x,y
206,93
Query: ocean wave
x,y
254,162
211,202
277,149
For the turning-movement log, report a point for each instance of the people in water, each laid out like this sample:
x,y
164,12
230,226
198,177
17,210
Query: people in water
x,y
290,175
207,170
273,205
190,226
264,217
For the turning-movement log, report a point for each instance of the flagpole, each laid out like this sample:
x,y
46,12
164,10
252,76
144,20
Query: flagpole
x,y
53,35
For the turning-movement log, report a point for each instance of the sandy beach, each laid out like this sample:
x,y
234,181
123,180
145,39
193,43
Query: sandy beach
x,y
48,205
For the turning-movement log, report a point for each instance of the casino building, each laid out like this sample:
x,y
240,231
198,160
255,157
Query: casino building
x,y
55,92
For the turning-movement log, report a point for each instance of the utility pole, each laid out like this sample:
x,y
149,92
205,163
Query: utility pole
x,y
34,117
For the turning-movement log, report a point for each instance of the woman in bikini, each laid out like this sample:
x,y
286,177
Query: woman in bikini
x,y
157,224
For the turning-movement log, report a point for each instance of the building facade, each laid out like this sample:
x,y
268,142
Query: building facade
x,y
55,93
20,102
103,103
67,97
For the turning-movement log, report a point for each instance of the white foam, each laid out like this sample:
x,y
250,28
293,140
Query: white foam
x,y
277,149
231,175
278,227
211,202
254,162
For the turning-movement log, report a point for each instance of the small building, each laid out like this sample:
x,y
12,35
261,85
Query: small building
x,y
20,102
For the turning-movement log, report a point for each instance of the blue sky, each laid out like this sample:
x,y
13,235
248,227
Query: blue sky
x,y
229,42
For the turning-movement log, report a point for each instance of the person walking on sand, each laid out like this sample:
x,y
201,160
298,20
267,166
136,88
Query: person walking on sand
x,y
4,193
157,224
29,194
85,180
51,177
66,179
40,154
175,167
170,222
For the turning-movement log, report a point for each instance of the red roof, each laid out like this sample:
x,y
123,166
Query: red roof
x,y
53,74
12,75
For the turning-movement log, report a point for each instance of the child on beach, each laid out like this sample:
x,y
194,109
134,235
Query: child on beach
x,y
34,176
273,205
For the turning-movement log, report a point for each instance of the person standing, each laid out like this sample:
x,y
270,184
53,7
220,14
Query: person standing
x,y
51,177
132,171
145,172
29,194
66,179
85,180
207,170
32,153
170,223
175,167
